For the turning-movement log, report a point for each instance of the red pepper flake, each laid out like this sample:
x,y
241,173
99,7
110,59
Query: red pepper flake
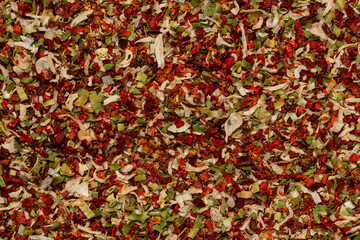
x,y
299,33
354,157
46,74
76,234
17,29
195,49
153,22
228,63
178,123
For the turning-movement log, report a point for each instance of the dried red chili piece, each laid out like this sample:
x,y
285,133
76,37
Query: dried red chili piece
x,y
228,63
299,38
17,29
75,8
195,49
46,74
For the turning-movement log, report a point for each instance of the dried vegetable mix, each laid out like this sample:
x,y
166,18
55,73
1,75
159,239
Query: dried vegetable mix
x,y
179,119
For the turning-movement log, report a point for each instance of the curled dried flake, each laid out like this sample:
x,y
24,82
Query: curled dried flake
x,y
183,128
159,7
286,157
81,17
128,58
17,193
160,95
159,116
21,62
213,20
44,17
165,27
220,41
50,33
277,87
295,16
342,223
87,64
9,144
258,24
250,111
83,168
274,20
340,50
338,125
70,101
187,111
181,198
314,194
245,225
63,73
125,190
232,124
85,229
216,215
74,202
231,202
18,165
190,168
256,10
298,51
329,6
193,190
243,91
81,125
47,181
145,40
30,26
243,40
124,178
347,129
294,194
39,237
298,70
111,99
317,30
72,185
12,205
235,10
127,168
173,236
100,180
291,215
159,51
27,41
22,112
353,100
276,168
5,73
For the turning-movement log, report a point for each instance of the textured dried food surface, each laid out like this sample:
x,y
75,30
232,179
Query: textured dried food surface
x,y
179,119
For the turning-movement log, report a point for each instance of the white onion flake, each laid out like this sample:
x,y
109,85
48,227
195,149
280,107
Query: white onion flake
x,y
81,17
183,128
44,63
232,124
159,51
